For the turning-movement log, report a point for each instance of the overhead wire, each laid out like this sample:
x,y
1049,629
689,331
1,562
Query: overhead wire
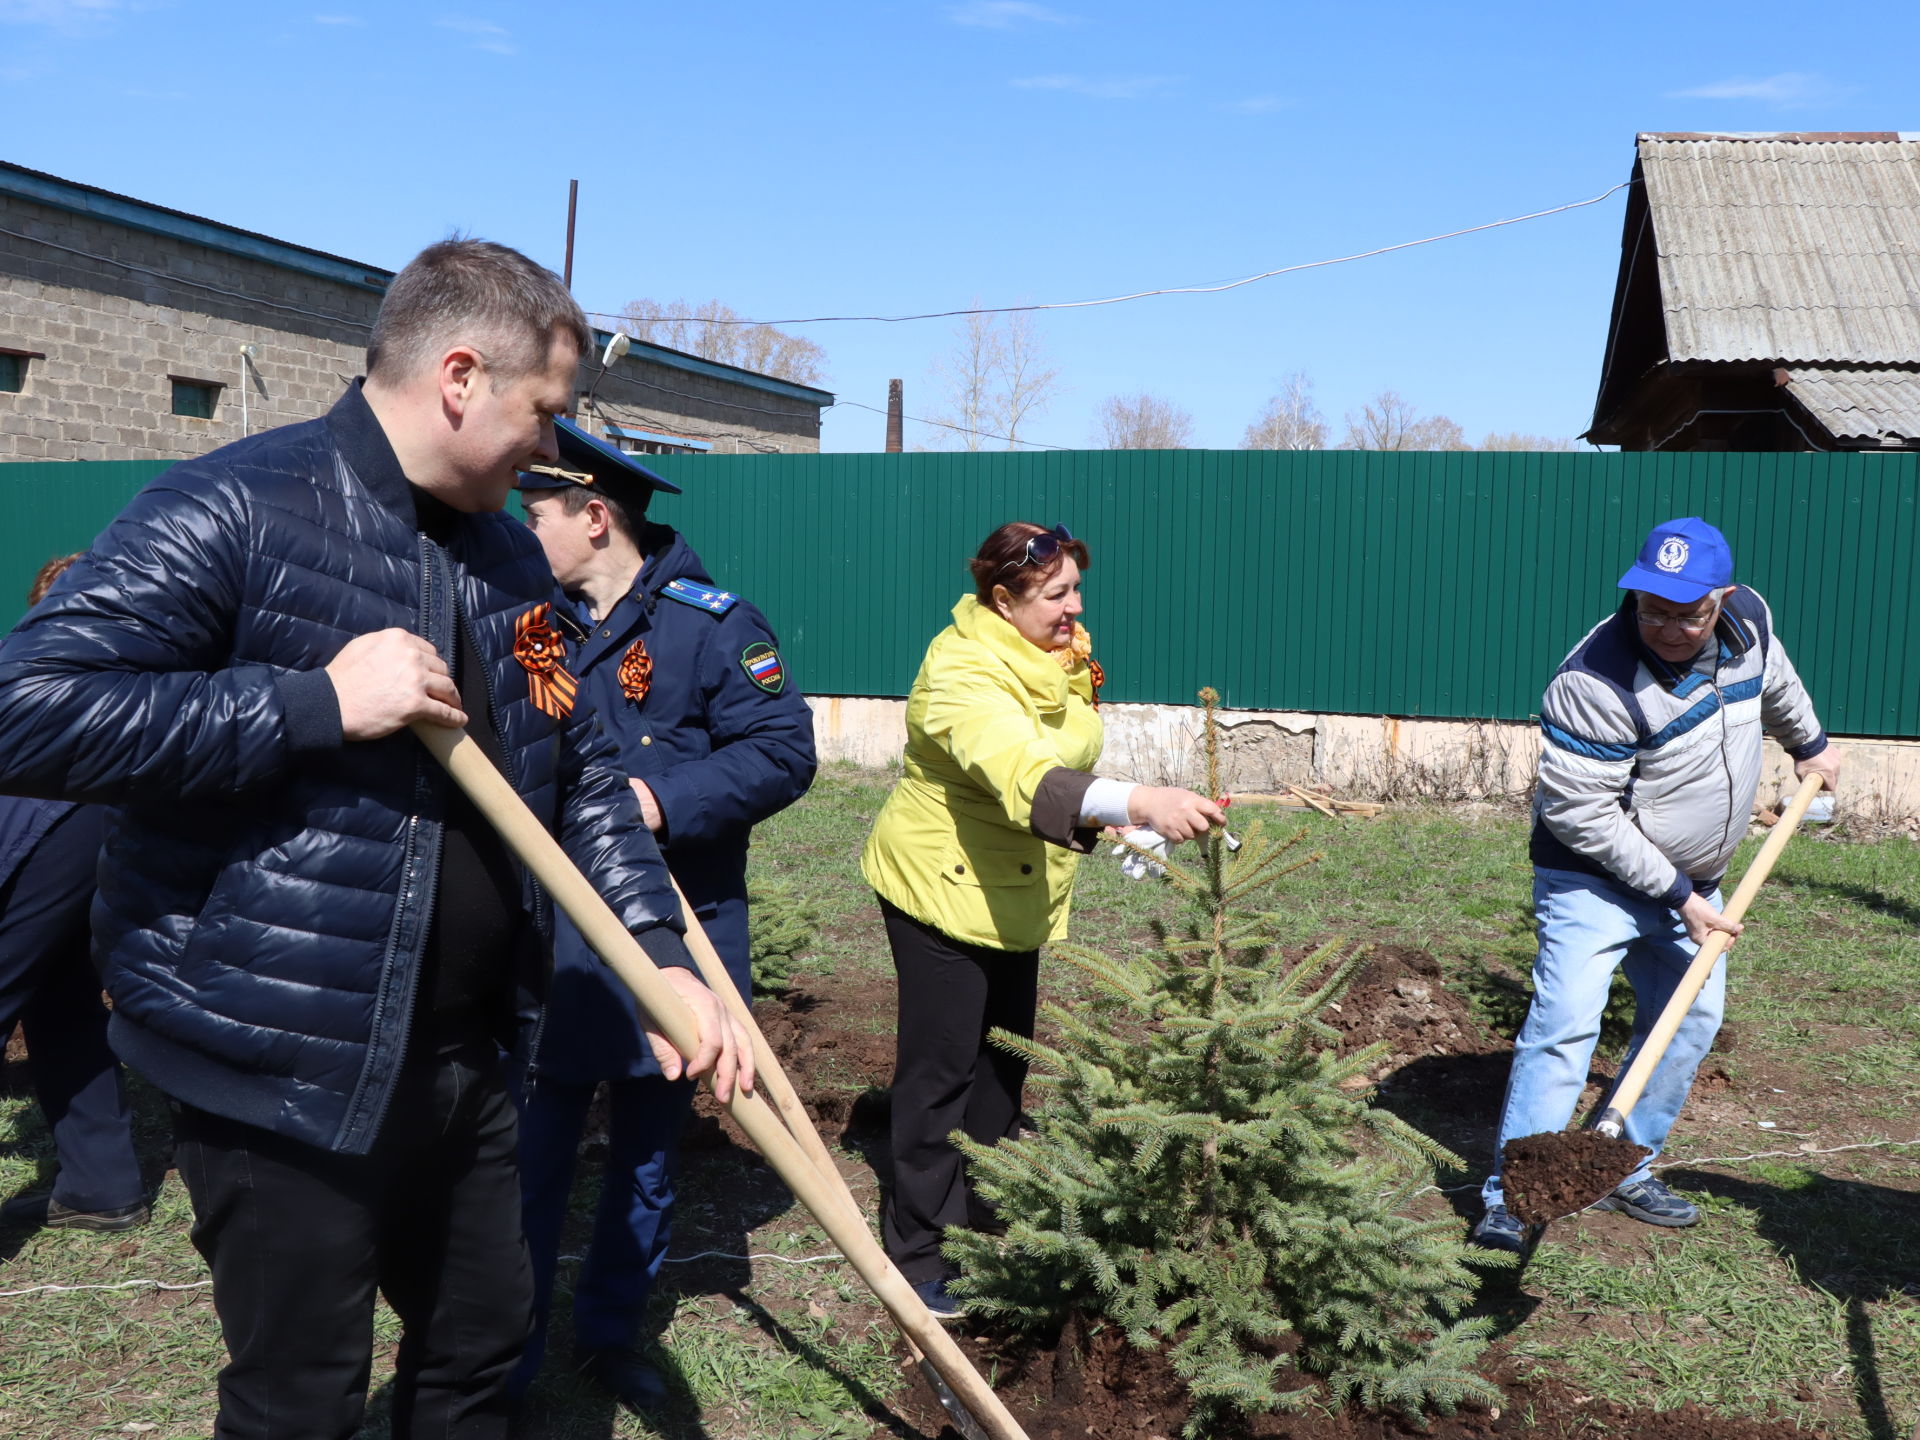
x,y
1149,294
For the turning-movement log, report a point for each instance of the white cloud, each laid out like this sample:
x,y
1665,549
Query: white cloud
x,y
488,36
1110,87
1788,88
1005,14
1259,105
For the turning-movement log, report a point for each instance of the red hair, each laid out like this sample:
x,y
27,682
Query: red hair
x,y
998,561
50,572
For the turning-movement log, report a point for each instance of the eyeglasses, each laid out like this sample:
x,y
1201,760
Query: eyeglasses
x,y
1691,624
1042,548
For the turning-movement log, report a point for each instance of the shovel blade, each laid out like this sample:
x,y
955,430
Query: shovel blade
x,y
1547,1177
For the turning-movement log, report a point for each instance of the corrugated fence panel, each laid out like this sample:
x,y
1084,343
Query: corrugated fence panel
x,y
1424,584
55,508
1363,583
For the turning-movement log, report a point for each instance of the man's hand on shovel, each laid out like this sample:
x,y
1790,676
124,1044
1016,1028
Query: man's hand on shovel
x,y
725,1047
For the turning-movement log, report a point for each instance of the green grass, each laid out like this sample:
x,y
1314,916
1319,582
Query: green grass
x,y
1795,1294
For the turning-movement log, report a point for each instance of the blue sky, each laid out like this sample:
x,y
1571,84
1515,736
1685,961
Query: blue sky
x,y
892,158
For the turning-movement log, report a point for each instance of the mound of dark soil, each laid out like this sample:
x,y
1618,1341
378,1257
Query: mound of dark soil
x,y
1400,997
1098,1385
1560,1172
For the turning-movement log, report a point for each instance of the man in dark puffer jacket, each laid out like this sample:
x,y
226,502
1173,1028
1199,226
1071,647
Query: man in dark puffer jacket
x,y
313,944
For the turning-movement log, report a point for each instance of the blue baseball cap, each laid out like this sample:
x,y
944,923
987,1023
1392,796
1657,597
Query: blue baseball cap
x,y
589,462
1682,561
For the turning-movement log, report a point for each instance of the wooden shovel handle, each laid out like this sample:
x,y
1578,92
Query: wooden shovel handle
x,y
766,1064
602,929
1627,1093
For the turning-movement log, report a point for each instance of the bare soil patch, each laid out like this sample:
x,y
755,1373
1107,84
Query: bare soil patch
x,y
1555,1174
833,1035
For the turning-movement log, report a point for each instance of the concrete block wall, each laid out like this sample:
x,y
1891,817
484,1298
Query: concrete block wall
x,y
116,311
1363,757
733,419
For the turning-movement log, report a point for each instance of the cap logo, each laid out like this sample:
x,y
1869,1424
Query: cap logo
x,y
1672,556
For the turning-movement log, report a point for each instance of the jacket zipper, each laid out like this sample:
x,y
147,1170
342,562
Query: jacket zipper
x,y
410,856
464,629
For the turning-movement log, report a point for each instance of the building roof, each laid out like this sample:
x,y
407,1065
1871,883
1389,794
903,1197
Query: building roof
x,y
1795,249
1787,249
78,199
1874,406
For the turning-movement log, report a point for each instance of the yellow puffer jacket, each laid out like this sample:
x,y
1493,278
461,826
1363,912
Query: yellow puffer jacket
x,y
990,714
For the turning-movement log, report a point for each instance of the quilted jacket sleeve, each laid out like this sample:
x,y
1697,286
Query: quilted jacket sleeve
x,y
603,834
118,686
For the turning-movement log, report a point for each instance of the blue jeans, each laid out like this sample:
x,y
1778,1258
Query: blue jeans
x,y
1589,927
634,1222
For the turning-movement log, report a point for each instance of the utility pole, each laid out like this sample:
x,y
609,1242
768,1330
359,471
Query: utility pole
x,y
573,201
895,415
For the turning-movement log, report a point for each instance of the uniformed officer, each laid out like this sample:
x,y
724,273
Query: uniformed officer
x,y
688,679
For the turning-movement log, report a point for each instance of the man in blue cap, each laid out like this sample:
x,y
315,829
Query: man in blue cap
x,y
688,680
1651,757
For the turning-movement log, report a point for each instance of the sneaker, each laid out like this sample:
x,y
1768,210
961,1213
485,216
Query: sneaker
x,y
939,1302
1650,1201
1498,1229
43,1212
635,1385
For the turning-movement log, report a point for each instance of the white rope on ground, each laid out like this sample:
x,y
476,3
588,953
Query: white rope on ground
x,y
1782,1154
117,1285
1712,1160
725,1255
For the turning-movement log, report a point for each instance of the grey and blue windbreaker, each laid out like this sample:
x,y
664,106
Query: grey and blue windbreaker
x,y
1648,770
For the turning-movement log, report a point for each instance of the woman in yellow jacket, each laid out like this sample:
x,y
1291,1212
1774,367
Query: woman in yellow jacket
x,y
973,858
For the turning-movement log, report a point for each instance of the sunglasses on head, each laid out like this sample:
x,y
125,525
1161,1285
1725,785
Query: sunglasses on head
x,y
1042,548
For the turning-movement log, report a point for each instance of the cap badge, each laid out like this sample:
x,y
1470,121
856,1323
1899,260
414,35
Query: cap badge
x,y
636,672
540,650
1672,555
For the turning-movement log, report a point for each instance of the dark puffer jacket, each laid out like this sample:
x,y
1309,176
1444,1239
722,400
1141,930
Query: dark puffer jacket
x,y
266,889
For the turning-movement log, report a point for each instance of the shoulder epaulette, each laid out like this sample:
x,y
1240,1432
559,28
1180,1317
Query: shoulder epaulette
x,y
701,597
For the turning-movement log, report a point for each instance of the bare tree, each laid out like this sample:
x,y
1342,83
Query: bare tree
x,y
1291,420
995,379
713,331
1141,422
1387,422
1517,440
1028,382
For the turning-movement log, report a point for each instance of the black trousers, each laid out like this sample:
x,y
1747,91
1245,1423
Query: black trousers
x,y
946,1077
48,984
299,1240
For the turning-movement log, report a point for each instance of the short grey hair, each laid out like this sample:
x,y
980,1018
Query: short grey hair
x,y
474,291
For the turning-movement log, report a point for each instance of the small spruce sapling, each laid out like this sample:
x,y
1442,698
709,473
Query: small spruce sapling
x,y
1209,1173
781,925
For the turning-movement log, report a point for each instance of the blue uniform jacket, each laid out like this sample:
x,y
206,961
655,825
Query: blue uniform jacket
x,y
722,737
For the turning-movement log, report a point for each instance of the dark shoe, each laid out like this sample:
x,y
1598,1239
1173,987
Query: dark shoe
x,y
1650,1201
625,1376
1498,1229
43,1212
940,1304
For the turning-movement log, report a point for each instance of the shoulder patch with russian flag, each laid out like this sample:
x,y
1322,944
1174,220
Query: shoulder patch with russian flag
x,y
762,664
701,597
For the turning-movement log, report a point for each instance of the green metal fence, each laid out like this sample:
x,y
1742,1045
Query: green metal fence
x,y
1430,584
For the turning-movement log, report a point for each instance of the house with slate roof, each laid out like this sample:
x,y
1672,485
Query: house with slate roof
x,y
1768,295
